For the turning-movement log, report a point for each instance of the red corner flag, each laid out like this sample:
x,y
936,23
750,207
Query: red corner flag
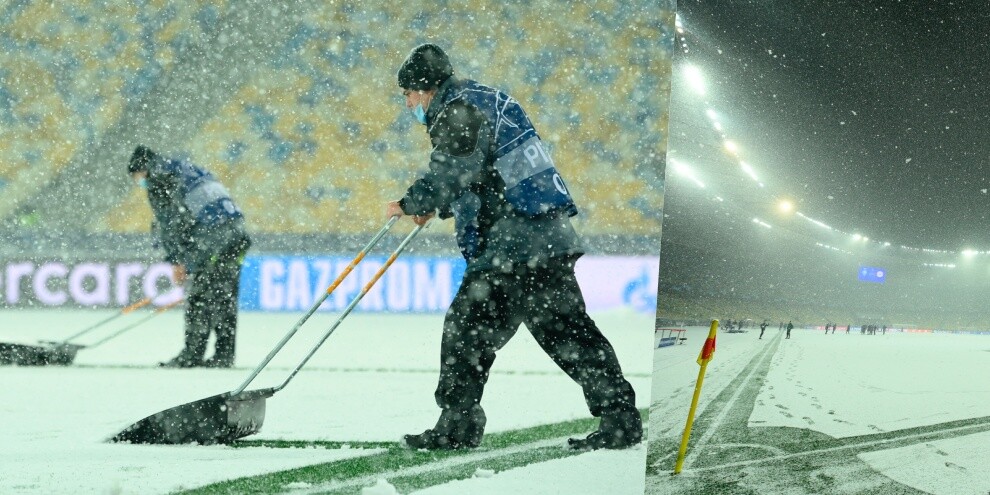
x,y
709,348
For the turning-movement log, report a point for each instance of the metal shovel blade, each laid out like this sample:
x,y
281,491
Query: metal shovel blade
x,y
219,419
34,355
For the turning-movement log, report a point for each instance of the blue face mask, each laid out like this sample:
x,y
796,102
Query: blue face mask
x,y
142,182
420,114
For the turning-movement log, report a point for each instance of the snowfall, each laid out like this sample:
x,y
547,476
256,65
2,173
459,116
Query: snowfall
x,y
373,380
842,386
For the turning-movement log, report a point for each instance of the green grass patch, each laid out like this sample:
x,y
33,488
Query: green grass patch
x,y
423,468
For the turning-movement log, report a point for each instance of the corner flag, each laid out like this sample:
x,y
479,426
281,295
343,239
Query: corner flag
x,y
706,355
709,348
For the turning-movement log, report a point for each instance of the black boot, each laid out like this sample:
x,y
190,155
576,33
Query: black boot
x,y
616,430
181,361
219,362
454,430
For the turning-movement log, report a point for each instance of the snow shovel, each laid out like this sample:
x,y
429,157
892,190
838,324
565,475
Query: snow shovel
x,y
231,415
64,353
59,353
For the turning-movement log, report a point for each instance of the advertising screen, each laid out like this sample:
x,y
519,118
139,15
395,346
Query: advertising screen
x,y
872,274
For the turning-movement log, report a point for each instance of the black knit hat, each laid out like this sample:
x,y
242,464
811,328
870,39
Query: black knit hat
x,y
426,67
140,159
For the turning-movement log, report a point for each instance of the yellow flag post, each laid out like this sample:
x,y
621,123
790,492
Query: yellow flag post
x,y
706,355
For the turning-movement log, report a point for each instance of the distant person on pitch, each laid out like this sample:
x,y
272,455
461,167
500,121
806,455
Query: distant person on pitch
x,y
489,171
763,328
790,326
203,235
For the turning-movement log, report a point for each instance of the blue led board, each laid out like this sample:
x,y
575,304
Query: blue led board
x,y
872,274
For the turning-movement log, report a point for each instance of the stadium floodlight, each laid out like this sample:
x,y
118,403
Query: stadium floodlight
x,y
886,244
711,114
857,237
731,146
812,220
786,206
685,171
749,170
695,79
969,253
717,126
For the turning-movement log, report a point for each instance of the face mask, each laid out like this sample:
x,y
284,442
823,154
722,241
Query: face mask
x,y
142,182
420,114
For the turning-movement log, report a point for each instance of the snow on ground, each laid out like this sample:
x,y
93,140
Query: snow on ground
x,y
861,384
372,380
954,466
895,413
601,472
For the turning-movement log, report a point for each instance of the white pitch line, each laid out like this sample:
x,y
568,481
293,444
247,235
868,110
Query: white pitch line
x,y
728,406
371,479
870,443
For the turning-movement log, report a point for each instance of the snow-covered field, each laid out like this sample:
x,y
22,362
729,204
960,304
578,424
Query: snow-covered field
x,y
372,381
842,413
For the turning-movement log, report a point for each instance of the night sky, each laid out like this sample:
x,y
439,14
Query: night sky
x,y
873,116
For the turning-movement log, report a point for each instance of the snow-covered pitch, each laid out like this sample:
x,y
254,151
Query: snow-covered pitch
x,y
371,382
841,413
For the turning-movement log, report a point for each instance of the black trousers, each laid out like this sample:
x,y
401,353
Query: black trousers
x,y
487,311
211,305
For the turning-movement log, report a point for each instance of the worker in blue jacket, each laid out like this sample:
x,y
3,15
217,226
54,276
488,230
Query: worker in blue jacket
x,y
203,235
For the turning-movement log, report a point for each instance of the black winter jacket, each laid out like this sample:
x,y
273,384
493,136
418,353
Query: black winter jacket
x,y
462,169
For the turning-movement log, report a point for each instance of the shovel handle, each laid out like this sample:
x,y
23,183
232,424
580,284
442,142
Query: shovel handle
x,y
357,299
140,304
168,306
357,259
132,307
137,323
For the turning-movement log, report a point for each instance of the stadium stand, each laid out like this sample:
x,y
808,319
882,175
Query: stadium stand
x,y
318,138
67,69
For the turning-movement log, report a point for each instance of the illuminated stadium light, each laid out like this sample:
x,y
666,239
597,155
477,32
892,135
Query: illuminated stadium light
x,y
719,198
685,171
786,206
940,265
761,223
832,248
695,79
749,170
